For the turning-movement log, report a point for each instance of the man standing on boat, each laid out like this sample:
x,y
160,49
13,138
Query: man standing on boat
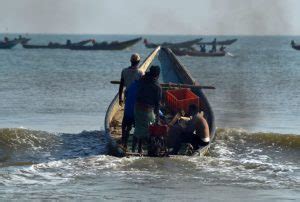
x,y
149,94
293,43
128,76
214,45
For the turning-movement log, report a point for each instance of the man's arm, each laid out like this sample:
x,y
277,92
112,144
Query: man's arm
x,y
175,118
206,127
157,101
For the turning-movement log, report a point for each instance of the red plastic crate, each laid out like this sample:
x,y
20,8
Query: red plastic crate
x,y
181,99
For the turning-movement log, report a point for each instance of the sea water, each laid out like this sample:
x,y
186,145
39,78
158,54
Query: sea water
x,y
53,104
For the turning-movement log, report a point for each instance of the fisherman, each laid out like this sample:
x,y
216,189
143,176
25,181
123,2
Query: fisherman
x,y
193,129
128,76
128,118
203,48
149,94
214,45
145,41
68,42
293,43
222,48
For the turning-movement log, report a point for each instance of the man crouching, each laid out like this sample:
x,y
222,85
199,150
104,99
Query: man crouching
x,y
192,129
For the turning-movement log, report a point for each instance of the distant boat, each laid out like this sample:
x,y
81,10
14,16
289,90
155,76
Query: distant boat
x,y
294,45
23,40
221,43
193,52
68,45
184,44
8,44
114,45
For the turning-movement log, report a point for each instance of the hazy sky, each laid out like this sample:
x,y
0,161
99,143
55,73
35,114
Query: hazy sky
x,y
200,17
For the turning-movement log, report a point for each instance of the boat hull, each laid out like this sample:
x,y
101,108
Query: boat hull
x,y
198,53
27,46
220,43
9,44
55,46
185,44
296,47
109,46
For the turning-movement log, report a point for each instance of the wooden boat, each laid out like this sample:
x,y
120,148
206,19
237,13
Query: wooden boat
x,y
49,46
184,44
192,52
68,45
221,43
294,45
23,40
8,44
115,45
171,71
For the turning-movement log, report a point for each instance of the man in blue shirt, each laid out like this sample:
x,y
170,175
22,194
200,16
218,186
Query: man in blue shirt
x,y
128,119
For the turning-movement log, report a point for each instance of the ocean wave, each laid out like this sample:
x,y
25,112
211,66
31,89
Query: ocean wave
x,y
20,147
18,138
253,159
60,171
272,139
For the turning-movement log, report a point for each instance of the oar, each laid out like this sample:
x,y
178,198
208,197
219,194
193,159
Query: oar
x,y
166,85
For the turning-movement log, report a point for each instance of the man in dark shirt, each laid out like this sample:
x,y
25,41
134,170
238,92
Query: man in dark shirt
x,y
214,45
147,103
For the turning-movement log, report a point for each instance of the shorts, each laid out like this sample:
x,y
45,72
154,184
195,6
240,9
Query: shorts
x,y
202,143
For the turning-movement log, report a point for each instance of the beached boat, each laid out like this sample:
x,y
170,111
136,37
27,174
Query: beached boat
x,y
221,43
295,46
8,44
184,44
186,52
115,45
171,71
56,45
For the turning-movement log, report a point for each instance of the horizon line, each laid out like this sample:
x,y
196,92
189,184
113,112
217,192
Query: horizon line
x,y
150,34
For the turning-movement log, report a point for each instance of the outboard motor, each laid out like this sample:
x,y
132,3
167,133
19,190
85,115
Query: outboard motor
x,y
157,142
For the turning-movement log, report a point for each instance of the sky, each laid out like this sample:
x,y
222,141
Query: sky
x,y
178,17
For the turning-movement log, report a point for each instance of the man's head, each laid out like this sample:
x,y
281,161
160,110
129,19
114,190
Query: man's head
x,y
135,59
154,71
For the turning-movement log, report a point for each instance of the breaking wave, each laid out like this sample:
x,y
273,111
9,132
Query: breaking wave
x,y
236,157
255,159
25,147
271,139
